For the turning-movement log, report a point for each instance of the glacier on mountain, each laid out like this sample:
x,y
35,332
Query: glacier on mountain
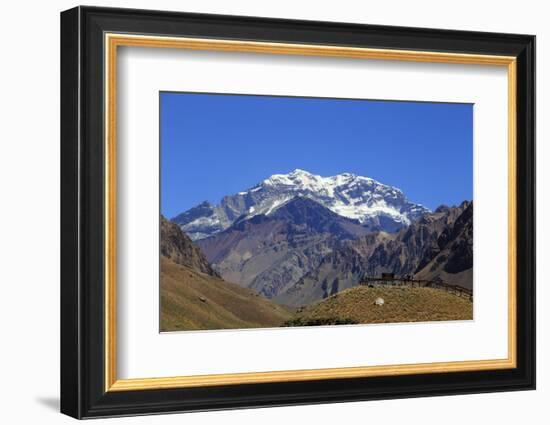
x,y
375,205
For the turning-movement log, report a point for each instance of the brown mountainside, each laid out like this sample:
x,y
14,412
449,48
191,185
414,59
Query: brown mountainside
x,y
453,262
270,253
437,246
414,247
195,297
177,246
196,301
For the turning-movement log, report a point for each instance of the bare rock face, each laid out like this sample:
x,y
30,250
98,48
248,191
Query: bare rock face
x,y
177,246
454,261
270,253
438,246
416,246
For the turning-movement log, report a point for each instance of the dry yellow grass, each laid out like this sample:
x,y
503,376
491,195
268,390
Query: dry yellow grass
x,y
401,304
191,300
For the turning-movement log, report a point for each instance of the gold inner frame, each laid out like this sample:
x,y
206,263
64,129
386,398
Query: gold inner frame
x,y
113,41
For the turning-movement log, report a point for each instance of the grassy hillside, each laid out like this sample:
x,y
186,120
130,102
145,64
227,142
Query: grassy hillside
x,y
356,305
191,300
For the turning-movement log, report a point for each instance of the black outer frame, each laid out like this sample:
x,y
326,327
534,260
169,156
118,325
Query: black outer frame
x,y
82,219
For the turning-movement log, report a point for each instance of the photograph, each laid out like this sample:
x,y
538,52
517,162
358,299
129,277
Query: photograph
x,y
263,209
281,211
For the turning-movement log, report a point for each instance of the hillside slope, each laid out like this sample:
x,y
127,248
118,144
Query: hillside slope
x,y
177,246
191,300
437,246
453,263
401,304
194,297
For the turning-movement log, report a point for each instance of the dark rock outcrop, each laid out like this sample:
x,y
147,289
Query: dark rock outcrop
x,y
437,246
177,246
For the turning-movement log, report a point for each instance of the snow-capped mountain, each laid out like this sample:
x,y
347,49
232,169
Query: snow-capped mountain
x,y
373,204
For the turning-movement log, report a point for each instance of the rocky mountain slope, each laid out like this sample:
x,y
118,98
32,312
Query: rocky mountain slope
x,y
269,253
177,246
373,204
340,269
436,246
454,261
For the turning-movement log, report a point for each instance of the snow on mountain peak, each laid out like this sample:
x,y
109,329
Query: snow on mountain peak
x,y
305,180
299,171
364,199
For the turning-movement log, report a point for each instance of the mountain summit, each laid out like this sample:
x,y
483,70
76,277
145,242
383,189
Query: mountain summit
x,y
374,205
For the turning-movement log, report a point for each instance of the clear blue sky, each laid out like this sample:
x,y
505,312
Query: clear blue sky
x,y
215,145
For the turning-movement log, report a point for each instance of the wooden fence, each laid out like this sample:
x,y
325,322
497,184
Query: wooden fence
x,y
419,283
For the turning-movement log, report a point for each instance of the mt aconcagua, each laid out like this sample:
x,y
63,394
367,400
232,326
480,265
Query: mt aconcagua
x,y
370,203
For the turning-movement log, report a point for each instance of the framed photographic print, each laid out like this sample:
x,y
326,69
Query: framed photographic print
x,y
261,212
